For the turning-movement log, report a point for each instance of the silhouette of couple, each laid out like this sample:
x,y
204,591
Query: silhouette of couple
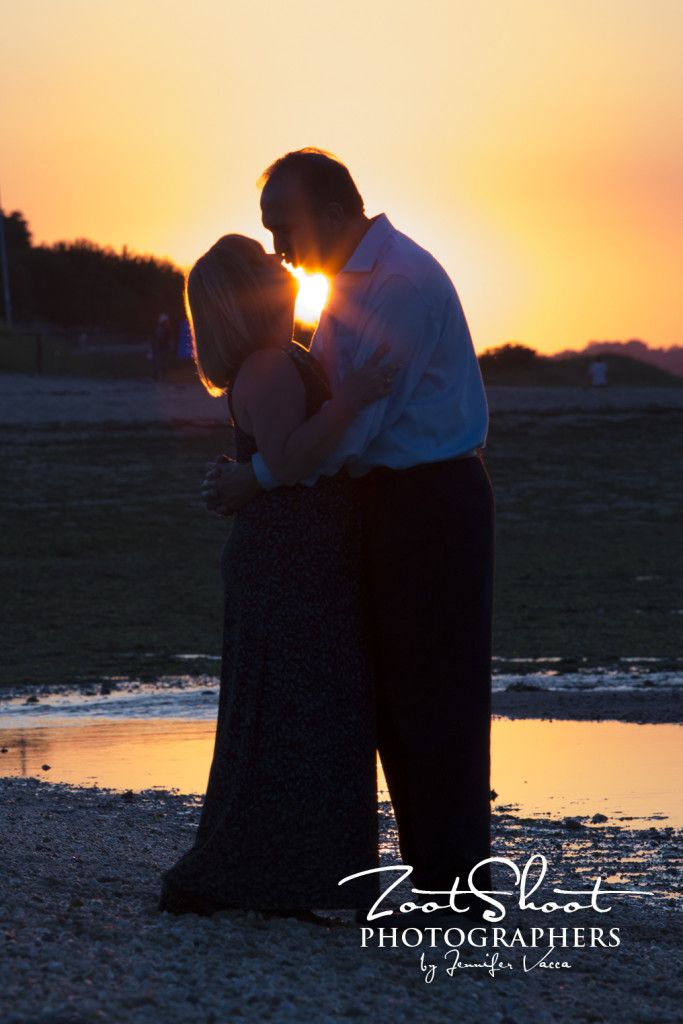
x,y
358,572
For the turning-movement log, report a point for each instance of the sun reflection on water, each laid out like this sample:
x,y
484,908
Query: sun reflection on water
x,y
552,769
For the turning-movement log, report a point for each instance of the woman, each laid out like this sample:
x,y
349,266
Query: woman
x,y
290,807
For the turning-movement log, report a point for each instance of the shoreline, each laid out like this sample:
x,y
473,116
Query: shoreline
x,y
643,705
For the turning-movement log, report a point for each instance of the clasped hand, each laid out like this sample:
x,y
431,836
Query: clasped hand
x,y
228,485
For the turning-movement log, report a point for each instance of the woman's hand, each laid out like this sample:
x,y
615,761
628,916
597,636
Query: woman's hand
x,y
370,383
228,485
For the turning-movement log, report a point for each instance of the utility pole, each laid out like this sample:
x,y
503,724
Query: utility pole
x,y
5,275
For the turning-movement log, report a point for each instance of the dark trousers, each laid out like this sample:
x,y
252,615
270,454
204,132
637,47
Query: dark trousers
x,y
429,554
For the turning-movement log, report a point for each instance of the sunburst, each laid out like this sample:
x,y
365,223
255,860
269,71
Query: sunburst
x,y
313,291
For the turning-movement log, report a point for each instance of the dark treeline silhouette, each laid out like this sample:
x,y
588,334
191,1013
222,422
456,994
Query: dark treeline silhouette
x,y
511,356
515,357
669,359
80,284
513,365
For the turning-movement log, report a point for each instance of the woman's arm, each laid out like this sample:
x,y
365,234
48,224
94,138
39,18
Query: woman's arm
x,y
269,402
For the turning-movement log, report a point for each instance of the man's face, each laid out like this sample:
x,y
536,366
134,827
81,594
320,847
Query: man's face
x,y
299,232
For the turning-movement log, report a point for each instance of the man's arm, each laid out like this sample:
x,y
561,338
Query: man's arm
x,y
273,399
398,316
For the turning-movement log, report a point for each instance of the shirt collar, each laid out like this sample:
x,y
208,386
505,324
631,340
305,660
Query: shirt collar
x,y
366,252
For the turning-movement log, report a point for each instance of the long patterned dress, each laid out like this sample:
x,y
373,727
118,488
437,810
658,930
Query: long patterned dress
x,y
290,807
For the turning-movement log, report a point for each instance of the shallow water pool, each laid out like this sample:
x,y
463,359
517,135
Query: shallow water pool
x,y
629,773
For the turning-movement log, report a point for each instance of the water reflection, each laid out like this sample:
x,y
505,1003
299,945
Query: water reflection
x,y
120,754
619,769
551,769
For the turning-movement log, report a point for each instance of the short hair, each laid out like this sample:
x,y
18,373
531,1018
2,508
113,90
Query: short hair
x,y
325,179
230,311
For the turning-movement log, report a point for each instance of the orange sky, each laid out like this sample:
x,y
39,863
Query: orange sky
x,y
534,146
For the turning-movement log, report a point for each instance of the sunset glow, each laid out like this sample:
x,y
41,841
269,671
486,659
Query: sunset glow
x,y
535,148
312,296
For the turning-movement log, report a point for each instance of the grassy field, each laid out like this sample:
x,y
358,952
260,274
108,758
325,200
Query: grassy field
x,y
110,563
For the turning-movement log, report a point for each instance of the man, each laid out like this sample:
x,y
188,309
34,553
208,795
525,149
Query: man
x,y
427,506
598,372
161,347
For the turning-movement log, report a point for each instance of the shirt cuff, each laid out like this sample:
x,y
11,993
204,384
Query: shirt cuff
x,y
263,474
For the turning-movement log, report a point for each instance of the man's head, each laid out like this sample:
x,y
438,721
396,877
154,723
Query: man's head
x,y
313,209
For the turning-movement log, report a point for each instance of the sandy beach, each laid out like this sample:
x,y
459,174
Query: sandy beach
x,y
83,942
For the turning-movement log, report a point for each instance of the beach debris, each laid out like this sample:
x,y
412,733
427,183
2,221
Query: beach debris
x,y
32,699
573,824
45,767
597,819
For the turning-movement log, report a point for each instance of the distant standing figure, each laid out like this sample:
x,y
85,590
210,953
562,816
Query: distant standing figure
x,y
598,372
161,346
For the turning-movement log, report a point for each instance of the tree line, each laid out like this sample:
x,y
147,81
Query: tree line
x,y
80,284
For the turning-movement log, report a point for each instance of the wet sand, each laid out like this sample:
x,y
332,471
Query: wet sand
x,y
660,705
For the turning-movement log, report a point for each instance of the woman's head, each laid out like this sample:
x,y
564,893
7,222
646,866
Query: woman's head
x,y
238,300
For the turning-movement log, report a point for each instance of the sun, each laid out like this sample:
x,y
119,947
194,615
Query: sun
x,y
313,291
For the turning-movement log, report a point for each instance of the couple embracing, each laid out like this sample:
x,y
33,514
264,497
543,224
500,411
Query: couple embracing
x,y
359,569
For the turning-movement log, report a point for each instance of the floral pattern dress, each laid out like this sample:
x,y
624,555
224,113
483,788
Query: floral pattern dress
x,y
291,803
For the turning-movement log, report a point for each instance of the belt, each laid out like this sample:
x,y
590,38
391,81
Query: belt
x,y
473,453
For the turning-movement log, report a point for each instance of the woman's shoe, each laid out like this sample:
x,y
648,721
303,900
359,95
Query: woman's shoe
x,y
174,901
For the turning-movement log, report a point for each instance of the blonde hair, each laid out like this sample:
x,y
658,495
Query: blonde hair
x,y
230,310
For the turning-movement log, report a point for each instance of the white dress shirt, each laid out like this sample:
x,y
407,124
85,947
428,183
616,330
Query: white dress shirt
x,y
391,290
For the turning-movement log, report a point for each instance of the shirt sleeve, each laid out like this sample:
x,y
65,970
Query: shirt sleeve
x,y
399,315
262,473
266,478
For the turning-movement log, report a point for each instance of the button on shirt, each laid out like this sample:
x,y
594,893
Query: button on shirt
x,y
391,290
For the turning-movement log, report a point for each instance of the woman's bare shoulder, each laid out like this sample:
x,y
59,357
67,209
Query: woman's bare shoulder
x,y
264,373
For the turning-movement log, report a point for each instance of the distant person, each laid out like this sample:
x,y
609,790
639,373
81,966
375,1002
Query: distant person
x,y
598,372
291,803
427,506
162,343
185,349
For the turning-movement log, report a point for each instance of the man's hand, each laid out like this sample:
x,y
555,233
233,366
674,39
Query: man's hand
x,y
228,485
